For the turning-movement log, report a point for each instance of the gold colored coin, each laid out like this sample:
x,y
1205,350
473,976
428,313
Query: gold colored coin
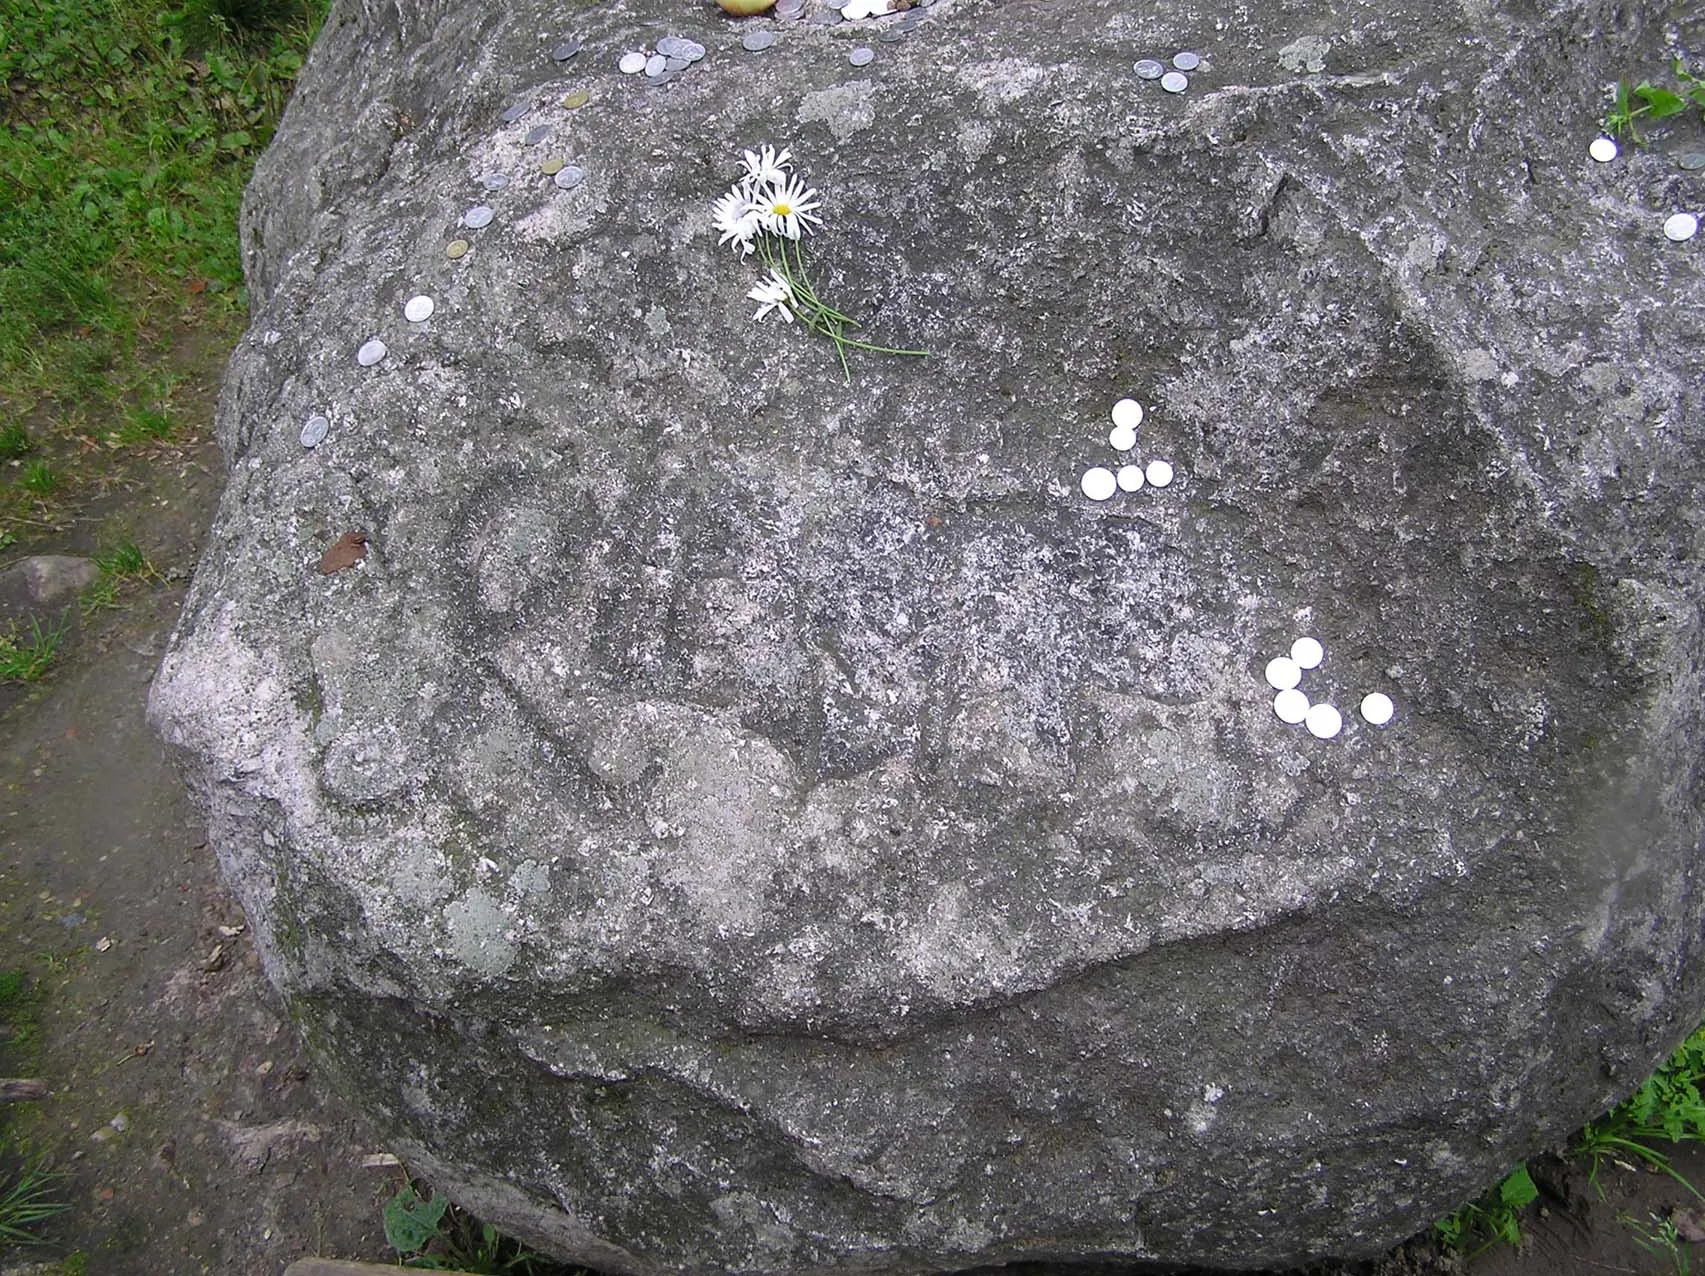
x,y
552,166
456,248
575,100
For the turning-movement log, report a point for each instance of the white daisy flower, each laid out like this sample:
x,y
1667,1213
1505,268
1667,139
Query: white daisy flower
x,y
775,293
786,208
738,218
767,168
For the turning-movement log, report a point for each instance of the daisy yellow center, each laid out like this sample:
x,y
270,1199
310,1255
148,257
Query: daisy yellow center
x,y
782,210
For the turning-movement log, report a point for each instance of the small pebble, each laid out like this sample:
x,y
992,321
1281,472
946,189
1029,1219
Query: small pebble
x,y
1377,708
1099,484
1681,227
1158,473
1602,149
1308,653
1323,721
1291,706
1130,478
1122,439
1283,673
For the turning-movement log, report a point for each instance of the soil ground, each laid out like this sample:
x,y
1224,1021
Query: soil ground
x,y
196,1137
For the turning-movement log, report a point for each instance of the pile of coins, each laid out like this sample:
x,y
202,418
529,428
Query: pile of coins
x,y
1177,79
1099,483
1284,675
669,57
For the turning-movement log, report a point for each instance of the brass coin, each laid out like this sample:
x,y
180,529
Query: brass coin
x,y
552,166
575,100
456,248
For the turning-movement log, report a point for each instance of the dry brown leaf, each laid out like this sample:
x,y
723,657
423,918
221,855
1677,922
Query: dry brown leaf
x,y
346,551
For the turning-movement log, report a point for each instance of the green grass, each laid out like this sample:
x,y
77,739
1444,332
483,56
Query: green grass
x,y
1494,1219
130,132
26,654
1665,1111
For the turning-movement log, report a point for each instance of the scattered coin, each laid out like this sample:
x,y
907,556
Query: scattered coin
x,y
676,64
371,352
1122,438
656,65
1186,61
631,63
1693,161
1098,484
552,166
1291,706
1130,478
575,100
835,4
1175,81
1308,653
657,81
1602,149
862,56
1158,473
476,217
569,177
1323,721
1128,414
692,50
757,41
537,134
790,8
1377,708
669,46
515,112
418,309
314,431
494,181
1681,227
1282,673
566,50
456,248
893,35
1149,69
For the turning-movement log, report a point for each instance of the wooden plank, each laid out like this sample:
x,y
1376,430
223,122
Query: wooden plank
x,y
13,1088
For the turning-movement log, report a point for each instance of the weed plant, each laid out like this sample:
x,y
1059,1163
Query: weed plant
x,y
1665,1110
26,654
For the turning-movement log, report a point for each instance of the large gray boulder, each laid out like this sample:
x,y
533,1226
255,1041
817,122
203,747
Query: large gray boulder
x,y
731,820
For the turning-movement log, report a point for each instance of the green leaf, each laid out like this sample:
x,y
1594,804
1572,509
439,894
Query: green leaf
x,y
1660,103
1517,1191
410,1223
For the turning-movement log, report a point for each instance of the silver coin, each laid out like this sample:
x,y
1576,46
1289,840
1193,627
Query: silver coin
x,y
893,35
371,352
692,50
314,431
477,216
670,46
1149,69
676,64
912,21
862,56
568,177
1098,483
516,112
1693,161
656,65
668,76
538,133
834,4
418,309
790,8
494,181
1323,721
566,50
1175,81
827,17
1186,61
1377,708
1602,149
1681,227
631,63
757,41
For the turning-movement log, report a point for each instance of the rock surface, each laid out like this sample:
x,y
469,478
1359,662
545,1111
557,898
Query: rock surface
x,y
734,821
